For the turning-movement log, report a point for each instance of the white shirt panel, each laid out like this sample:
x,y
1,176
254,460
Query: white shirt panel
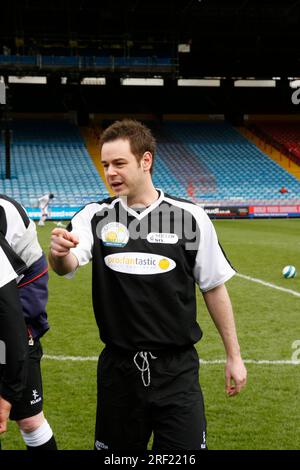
x,y
81,226
22,240
211,267
7,273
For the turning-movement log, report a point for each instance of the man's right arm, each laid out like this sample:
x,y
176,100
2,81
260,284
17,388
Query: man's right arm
x,y
61,259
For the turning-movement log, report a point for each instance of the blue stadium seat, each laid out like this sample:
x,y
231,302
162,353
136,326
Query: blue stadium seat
x,y
48,156
207,162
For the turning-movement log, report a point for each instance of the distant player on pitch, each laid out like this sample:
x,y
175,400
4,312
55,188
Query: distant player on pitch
x,y
43,205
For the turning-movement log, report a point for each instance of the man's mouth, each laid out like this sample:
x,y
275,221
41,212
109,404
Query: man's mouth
x,y
116,185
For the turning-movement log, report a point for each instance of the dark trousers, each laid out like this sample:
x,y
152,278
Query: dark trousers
x,y
135,401
31,402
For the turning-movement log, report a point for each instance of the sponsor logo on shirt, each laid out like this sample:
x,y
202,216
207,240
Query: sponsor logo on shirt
x,y
115,234
169,238
139,263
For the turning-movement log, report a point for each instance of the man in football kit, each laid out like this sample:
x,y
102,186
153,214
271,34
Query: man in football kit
x,y
43,205
20,234
13,336
148,249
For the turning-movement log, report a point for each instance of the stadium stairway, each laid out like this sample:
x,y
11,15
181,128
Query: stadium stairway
x,y
90,136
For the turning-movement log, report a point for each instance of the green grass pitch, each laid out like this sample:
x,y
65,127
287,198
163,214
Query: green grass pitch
x,y
265,415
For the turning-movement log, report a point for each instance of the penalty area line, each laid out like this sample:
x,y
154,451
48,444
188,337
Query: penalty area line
x,y
202,361
268,284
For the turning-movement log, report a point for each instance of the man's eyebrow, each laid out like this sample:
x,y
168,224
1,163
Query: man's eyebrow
x,y
118,159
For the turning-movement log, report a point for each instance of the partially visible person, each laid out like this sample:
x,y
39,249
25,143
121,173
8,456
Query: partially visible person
x,y
20,234
43,205
13,335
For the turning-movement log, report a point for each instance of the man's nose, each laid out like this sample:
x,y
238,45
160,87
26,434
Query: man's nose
x,y
111,170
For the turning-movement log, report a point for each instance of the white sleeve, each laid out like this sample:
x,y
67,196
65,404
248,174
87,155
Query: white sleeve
x,y
81,226
21,234
211,266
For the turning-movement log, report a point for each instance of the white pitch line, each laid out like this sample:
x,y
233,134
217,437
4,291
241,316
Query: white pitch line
x,y
268,284
254,361
202,361
70,358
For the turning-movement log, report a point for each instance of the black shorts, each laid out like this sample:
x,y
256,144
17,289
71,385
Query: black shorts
x,y
171,406
31,402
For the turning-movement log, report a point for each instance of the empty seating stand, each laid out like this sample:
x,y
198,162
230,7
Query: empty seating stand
x,y
46,156
211,162
207,162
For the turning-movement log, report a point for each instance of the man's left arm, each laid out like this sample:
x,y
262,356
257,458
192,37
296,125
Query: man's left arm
x,y
219,306
15,340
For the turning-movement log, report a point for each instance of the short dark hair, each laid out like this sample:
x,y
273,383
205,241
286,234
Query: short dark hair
x,y
51,196
139,136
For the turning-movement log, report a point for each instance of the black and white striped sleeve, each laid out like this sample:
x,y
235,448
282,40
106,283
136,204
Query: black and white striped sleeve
x,y
13,336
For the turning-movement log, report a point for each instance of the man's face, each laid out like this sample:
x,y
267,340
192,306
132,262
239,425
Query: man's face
x,y
123,173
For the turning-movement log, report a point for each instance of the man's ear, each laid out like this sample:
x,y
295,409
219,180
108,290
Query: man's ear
x,y
147,161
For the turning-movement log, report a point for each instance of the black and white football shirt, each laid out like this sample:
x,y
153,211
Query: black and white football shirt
x,y
18,231
145,266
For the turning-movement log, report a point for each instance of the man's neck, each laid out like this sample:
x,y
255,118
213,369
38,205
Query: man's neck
x,y
145,199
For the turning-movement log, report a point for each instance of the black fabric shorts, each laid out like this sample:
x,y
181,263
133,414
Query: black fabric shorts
x,y
171,406
31,402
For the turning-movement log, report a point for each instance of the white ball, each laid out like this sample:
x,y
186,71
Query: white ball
x,y
289,271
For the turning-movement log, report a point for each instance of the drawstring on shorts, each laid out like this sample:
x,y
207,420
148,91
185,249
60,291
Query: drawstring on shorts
x,y
145,367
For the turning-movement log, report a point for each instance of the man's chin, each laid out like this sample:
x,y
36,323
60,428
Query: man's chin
x,y
120,192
